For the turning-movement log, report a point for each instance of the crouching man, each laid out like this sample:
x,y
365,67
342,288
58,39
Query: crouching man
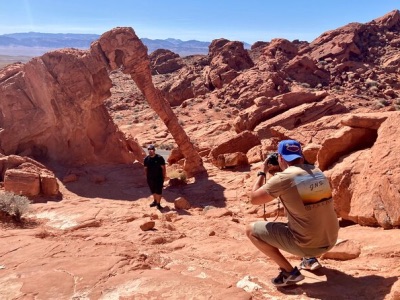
x,y
305,192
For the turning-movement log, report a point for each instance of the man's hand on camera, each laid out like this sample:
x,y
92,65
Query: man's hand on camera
x,y
270,168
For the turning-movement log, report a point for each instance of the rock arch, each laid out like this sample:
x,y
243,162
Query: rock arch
x,y
123,49
55,103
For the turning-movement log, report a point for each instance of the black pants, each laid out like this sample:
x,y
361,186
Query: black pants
x,y
155,185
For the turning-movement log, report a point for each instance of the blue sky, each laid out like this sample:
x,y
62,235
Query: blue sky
x,y
204,20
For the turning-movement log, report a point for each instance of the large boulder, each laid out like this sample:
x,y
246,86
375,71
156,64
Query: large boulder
x,y
28,177
164,61
365,182
22,182
229,160
242,142
228,58
53,108
375,199
266,108
302,114
344,141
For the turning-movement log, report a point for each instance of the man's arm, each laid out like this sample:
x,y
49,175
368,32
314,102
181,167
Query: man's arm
x,y
164,171
145,166
258,194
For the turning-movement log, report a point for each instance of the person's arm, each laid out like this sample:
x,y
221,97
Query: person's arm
x,y
164,171
163,167
258,194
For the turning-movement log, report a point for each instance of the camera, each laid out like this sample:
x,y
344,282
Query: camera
x,y
272,159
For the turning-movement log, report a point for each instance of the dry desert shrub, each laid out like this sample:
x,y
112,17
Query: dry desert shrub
x,y
44,233
14,205
177,174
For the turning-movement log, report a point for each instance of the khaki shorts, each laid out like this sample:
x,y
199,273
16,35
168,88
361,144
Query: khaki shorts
x,y
279,236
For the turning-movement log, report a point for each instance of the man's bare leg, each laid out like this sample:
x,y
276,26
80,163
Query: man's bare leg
x,y
157,198
269,250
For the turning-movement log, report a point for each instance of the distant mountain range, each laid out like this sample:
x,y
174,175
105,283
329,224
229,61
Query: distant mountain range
x,y
36,43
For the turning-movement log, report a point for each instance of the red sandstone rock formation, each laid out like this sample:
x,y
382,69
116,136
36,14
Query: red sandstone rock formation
x,y
123,49
24,176
267,108
303,91
227,60
276,90
164,61
102,217
53,108
243,142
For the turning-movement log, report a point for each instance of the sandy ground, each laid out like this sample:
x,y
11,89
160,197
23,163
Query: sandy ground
x,y
89,245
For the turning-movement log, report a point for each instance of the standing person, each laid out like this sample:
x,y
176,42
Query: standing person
x,y
154,168
305,192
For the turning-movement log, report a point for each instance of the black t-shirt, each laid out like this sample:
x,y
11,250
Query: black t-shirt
x,y
153,164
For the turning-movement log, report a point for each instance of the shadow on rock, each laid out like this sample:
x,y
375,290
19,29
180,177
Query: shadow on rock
x,y
202,192
114,182
339,285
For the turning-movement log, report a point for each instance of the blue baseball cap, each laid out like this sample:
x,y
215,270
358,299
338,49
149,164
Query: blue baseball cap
x,y
290,150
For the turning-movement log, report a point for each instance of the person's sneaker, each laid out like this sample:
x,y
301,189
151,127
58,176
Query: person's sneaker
x,y
154,203
311,264
286,278
159,206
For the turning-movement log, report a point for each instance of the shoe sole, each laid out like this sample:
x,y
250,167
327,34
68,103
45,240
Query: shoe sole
x,y
315,266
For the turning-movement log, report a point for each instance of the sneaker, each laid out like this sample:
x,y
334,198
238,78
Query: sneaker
x,y
286,278
159,206
310,264
154,203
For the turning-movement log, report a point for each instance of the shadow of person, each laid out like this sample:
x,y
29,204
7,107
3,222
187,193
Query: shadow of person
x,y
333,284
113,182
202,192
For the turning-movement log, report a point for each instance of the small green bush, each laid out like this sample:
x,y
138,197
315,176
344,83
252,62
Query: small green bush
x,y
378,104
384,102
14,205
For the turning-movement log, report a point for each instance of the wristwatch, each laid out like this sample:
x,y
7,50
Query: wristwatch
x,y
261,174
